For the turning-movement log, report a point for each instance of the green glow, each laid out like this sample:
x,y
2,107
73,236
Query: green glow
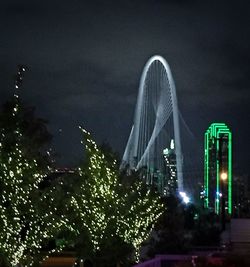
x,y
217,203
213,166
206,176
230,174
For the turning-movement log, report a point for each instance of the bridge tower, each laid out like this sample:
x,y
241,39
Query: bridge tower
x,y
156,123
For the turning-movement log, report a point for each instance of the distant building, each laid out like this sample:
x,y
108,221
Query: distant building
x,y
241,196
171,183
218,169
239,236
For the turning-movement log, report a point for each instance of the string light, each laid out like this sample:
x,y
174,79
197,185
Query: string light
x,y
106,208
23,225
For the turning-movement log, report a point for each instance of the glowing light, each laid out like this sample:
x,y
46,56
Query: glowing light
x,y
24,226
133,210
156,105
185,198
218,137
223,176
172,144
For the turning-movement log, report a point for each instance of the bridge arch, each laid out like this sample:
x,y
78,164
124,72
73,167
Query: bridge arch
x,y
156,105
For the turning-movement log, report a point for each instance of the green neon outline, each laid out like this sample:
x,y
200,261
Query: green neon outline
x,y
206,169
215,132
230,174
217,203
229,168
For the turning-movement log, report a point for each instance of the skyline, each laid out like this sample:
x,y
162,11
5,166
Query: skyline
x,y
85,60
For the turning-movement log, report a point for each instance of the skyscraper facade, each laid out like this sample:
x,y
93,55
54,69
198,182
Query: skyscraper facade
x,y
171,183
218,169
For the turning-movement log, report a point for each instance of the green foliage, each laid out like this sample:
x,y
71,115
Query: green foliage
x,y
170,235
3,260
182,227
34,137
109,153
111,213
207,230
25,221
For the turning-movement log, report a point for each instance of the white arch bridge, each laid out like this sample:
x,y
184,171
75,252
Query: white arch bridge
x,y
156,123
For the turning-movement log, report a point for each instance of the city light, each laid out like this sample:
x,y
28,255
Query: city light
x,y
218,165
223,176
185,198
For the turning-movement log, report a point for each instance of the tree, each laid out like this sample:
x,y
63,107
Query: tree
x,y
112,216
182,227
170,235
35,138
25,221
207,229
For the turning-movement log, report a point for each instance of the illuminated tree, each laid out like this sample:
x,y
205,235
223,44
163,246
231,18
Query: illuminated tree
x,y
25,222
109,212
35,139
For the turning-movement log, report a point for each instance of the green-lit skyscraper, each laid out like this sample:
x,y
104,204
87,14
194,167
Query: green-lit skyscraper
x,y
218,169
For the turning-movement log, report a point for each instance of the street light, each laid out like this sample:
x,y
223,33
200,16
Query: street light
x,y
223,176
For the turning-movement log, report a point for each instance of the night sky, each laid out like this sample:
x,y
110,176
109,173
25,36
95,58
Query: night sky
x,y
85,59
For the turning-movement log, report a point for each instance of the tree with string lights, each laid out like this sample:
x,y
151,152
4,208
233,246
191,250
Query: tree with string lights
x,y
35,137
25,224
113,216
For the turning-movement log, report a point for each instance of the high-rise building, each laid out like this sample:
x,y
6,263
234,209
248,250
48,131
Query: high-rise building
x,y
171,183
218,169
241,196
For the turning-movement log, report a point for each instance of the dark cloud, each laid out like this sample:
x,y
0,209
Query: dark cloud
x,y
85,59
22,9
